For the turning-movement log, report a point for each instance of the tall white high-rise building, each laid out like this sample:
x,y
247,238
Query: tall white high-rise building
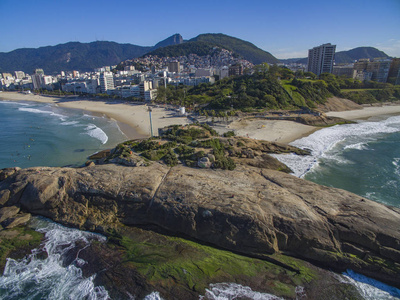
x,y
106,81
37,81
19,74
320,59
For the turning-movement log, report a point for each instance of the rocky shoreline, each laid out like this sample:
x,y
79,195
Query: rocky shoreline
x,y
251,210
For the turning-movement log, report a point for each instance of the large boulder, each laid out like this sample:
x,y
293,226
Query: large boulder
x,y
8,212
249,210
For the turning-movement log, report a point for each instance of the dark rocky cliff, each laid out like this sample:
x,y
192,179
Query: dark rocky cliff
x,y
256,212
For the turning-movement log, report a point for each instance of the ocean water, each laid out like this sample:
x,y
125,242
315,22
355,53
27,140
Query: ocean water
x,y
51,278
37,134
363,158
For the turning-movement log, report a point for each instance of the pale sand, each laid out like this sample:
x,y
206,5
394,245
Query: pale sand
x,y
271,130
133,119
366,112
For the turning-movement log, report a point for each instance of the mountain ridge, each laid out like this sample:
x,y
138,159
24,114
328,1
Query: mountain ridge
x,y
203,43
88,56
69,56
174,39
348,56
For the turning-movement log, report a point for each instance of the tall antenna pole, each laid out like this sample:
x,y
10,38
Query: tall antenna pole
x,y
151,123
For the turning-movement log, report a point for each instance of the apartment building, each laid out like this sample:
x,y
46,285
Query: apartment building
x,y
106,81
174,67
320,59
376,70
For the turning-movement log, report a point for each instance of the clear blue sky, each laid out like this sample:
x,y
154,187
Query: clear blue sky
x,y
285,28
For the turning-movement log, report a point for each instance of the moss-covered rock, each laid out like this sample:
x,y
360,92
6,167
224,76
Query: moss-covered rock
x,y
17,242
192,144
140,261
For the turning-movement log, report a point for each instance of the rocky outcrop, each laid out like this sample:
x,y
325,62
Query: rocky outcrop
x,y
249,210
10,217
321,120
338,104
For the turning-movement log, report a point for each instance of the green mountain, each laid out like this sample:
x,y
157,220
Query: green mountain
x,y
346,57
202,44
350,56
245,49
88,56
199,48
69,56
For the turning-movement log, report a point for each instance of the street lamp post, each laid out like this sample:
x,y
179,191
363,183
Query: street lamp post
x,y
151,123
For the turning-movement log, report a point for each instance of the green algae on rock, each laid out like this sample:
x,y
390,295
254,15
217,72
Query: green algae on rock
x,y
185,269
17,242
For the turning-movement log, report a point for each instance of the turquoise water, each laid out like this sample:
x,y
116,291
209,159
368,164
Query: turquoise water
x,y
362,158
37,134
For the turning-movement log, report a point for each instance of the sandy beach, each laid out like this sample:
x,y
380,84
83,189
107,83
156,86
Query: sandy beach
x,y
271,130
134,121
367,112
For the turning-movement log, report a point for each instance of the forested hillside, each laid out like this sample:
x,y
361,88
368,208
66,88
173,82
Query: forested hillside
x,y
69,56
204,43
275,88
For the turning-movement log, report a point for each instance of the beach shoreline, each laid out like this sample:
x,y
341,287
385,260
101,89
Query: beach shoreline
x,y
368,112
133,119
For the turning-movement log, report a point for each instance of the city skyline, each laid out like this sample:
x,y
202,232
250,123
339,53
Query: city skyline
x,y
286,30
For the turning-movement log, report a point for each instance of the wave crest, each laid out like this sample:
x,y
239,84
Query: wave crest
x,y
97,133
329,142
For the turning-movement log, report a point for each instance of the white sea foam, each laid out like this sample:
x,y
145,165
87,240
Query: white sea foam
x,y
153,296
39,111
226,291
396,163
370,289
34,278
357,146
329,142
15,103
68,123
97,133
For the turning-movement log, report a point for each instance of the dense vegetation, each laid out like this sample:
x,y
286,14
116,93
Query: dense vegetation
x,y
245,49
187,145
267,88
198,145
199,48
204,43
373,95
275,88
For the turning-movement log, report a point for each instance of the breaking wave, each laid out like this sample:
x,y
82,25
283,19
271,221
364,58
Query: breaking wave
x,y
39,111
97,133
370,289
15,103
328,143
226,291
396,163
37,278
